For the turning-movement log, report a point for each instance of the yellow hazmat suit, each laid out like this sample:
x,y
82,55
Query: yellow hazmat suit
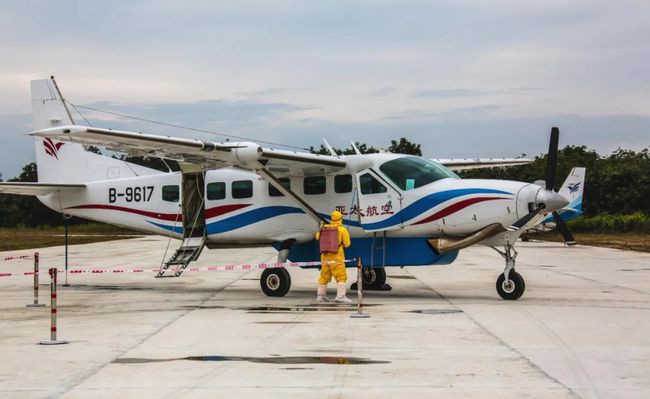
x,y
336,269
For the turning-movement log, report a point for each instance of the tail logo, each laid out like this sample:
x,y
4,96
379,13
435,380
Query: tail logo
x,y
52,148
573,187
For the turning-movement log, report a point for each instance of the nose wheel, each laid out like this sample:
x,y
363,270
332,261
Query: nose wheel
x,y
510,285
511,289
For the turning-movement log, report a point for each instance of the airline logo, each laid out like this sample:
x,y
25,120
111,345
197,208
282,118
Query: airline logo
x,y
52,148
573,187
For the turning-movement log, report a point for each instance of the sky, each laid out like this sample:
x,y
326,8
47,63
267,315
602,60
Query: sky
x,y
466,78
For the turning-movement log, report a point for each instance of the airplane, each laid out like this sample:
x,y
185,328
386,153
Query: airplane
x,y
573,190
400,209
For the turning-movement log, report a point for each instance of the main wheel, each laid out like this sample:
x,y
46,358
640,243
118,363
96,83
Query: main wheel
x,y
275,281
513,289
373,278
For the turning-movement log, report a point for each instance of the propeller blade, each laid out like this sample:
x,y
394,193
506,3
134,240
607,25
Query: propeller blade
x,y
563,229
551,159
523,221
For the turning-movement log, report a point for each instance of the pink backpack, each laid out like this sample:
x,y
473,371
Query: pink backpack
x,y
329,240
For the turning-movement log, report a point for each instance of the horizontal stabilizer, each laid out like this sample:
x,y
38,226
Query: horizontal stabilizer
x,y
38,188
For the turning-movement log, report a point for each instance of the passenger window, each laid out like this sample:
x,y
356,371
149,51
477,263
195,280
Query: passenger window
x,y
274,192
370,185
314,185
242,189
216,191
342,183
171,193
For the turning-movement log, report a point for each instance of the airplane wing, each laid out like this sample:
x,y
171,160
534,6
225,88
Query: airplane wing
x,y
37,188
242,154
478,163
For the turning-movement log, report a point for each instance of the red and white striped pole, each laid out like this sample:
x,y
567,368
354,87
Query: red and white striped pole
x,y
53,281
36,304
359,314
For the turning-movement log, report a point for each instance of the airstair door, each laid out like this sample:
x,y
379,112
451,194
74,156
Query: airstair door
x,y
379,203
193,204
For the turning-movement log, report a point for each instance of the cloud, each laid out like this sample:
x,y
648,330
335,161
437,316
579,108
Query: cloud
x,y
447,93
451,93
296,71
383,91
275,91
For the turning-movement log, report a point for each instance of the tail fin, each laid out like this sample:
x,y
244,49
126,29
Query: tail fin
x,y
573,189
60,162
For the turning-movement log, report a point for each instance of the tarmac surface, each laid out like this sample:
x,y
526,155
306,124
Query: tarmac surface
x,y
582,329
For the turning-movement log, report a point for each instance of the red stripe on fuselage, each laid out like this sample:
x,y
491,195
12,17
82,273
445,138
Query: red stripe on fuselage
x,y
457,207
172,217
223,209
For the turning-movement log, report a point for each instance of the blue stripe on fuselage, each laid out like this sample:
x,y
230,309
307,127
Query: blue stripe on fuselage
x,y
175,229
250,217
424,204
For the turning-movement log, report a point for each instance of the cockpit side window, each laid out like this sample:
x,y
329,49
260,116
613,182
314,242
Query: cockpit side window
x,y
370,185
413,172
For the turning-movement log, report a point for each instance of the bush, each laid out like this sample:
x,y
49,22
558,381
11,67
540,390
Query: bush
x,y
637,222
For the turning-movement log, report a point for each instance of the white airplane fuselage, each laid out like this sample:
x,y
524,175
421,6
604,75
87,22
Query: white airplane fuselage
x,y
240,209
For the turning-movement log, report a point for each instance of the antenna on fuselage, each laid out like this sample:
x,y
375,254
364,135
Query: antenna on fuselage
x,y
330,149
354,147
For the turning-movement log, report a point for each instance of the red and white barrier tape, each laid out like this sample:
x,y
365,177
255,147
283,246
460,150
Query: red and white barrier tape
x,y
22,257
259,266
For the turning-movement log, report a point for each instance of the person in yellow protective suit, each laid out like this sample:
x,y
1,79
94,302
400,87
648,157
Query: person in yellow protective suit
x,y
337,268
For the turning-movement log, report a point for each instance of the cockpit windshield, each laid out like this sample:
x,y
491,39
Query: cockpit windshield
x,y
413,172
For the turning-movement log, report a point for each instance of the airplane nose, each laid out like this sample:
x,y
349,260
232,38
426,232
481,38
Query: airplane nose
x,y
552,201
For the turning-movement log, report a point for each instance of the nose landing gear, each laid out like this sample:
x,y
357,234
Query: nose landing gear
x,y
510,284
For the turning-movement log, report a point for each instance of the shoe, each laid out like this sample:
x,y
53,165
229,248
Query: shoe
x,y
322,299
340,294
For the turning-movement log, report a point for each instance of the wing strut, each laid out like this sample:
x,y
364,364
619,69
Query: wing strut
x,y
289,193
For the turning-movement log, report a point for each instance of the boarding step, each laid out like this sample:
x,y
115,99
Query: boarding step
x,y
188,252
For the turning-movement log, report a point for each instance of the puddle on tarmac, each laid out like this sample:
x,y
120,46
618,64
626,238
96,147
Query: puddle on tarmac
x,y
299,308
268,360
437,311
402,277
107,287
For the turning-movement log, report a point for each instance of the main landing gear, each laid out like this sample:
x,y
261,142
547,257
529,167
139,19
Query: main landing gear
x,y
277,281
510,284
374,279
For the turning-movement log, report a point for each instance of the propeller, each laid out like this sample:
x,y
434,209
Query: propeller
x,y
561,226
548,198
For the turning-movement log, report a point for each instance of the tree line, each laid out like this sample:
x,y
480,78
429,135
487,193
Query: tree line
x,y
618,183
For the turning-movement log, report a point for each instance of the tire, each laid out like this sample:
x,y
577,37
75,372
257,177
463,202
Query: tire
x,y
275,282
511,293
374,278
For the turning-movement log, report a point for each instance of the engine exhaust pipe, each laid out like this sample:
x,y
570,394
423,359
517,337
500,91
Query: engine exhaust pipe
x,y
444,245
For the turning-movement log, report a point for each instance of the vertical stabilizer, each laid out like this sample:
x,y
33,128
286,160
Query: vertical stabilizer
x,y
66,162
574,187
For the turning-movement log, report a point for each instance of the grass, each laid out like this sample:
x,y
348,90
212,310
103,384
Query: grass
x,y
628,241
12,239
637,222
